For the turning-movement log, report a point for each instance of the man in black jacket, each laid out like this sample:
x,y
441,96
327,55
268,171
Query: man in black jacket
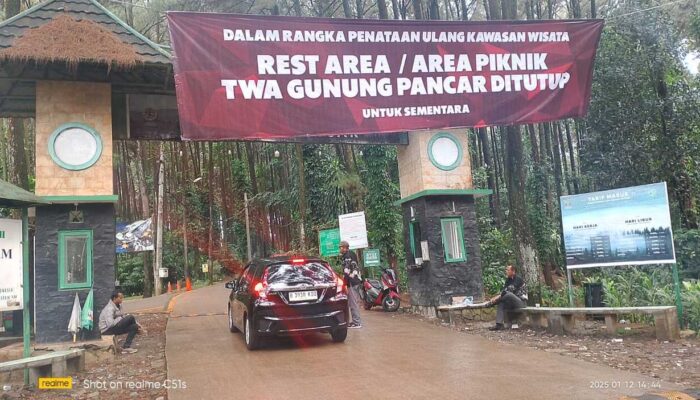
x,y
353,280
512,297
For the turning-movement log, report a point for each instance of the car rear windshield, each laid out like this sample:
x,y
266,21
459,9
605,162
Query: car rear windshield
x,y
311,273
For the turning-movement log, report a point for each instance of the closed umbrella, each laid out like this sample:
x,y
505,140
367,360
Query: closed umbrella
x,y
74,323
86,322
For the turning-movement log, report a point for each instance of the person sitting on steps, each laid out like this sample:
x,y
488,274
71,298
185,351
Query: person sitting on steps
x,y
512,297
114,322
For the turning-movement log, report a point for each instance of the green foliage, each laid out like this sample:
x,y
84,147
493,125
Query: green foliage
x,y
384,224
695,29
687,243
691,304
638,286
544,228
559,298
496,253
643,116
325,197
649,286
173,254
130,273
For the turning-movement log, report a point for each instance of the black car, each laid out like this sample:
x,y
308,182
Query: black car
x,y
282,296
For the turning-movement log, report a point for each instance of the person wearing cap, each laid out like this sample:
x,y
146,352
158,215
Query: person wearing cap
x,y
353,279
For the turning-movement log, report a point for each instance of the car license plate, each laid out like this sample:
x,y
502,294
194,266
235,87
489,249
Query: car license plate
x,y
303,296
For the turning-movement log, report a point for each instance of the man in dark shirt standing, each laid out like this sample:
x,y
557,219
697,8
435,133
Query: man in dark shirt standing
x,y
512,297
353,279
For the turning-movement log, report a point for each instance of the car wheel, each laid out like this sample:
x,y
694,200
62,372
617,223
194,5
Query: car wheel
x,y
340,334
252,341
231,326
391,304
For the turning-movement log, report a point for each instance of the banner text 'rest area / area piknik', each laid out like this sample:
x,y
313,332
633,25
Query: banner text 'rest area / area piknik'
x,y
315,76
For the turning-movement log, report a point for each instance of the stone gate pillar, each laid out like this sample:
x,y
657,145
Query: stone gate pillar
x,y
441,238
75,236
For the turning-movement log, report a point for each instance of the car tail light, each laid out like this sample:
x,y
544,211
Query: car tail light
x,y
260,290
298,261
340,285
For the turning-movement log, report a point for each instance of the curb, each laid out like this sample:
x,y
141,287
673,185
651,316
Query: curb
x,y
171,303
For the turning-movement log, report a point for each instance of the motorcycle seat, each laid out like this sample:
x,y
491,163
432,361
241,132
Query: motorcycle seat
x,y
375,283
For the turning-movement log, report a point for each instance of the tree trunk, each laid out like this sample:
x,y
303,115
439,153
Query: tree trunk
x,y
434,10
525,249
210,222
498,175
572,157
159,229
516,179
383,12
535,146
576,9
302,196
494,202
395,9
17,156
347,11
565,166
359,8
418,9
553,148
546,157
250,156
296,5
143,203
529,10
495,9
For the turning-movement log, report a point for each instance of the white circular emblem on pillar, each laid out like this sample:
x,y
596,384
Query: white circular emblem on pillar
x,y
445,151
75,146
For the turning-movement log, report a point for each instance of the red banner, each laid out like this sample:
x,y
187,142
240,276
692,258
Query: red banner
x,y
262,77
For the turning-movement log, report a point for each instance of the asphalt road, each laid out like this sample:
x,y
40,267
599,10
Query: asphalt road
x,y
392,357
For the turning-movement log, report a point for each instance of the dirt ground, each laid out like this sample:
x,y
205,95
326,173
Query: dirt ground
x,y
634,349
132,376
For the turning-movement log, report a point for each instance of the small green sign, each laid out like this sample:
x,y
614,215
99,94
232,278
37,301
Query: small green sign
x,y
371,257
328,242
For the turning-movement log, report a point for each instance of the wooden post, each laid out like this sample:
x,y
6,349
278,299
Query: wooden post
x,y
568,323
554,324
247,227
611,323
159,226
26,325
570,288
666,323
677,290
184,242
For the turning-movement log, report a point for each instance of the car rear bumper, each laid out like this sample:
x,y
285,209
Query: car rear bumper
x,y
269,323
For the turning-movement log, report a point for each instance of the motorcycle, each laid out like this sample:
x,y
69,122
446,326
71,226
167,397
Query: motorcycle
x,y
384,292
